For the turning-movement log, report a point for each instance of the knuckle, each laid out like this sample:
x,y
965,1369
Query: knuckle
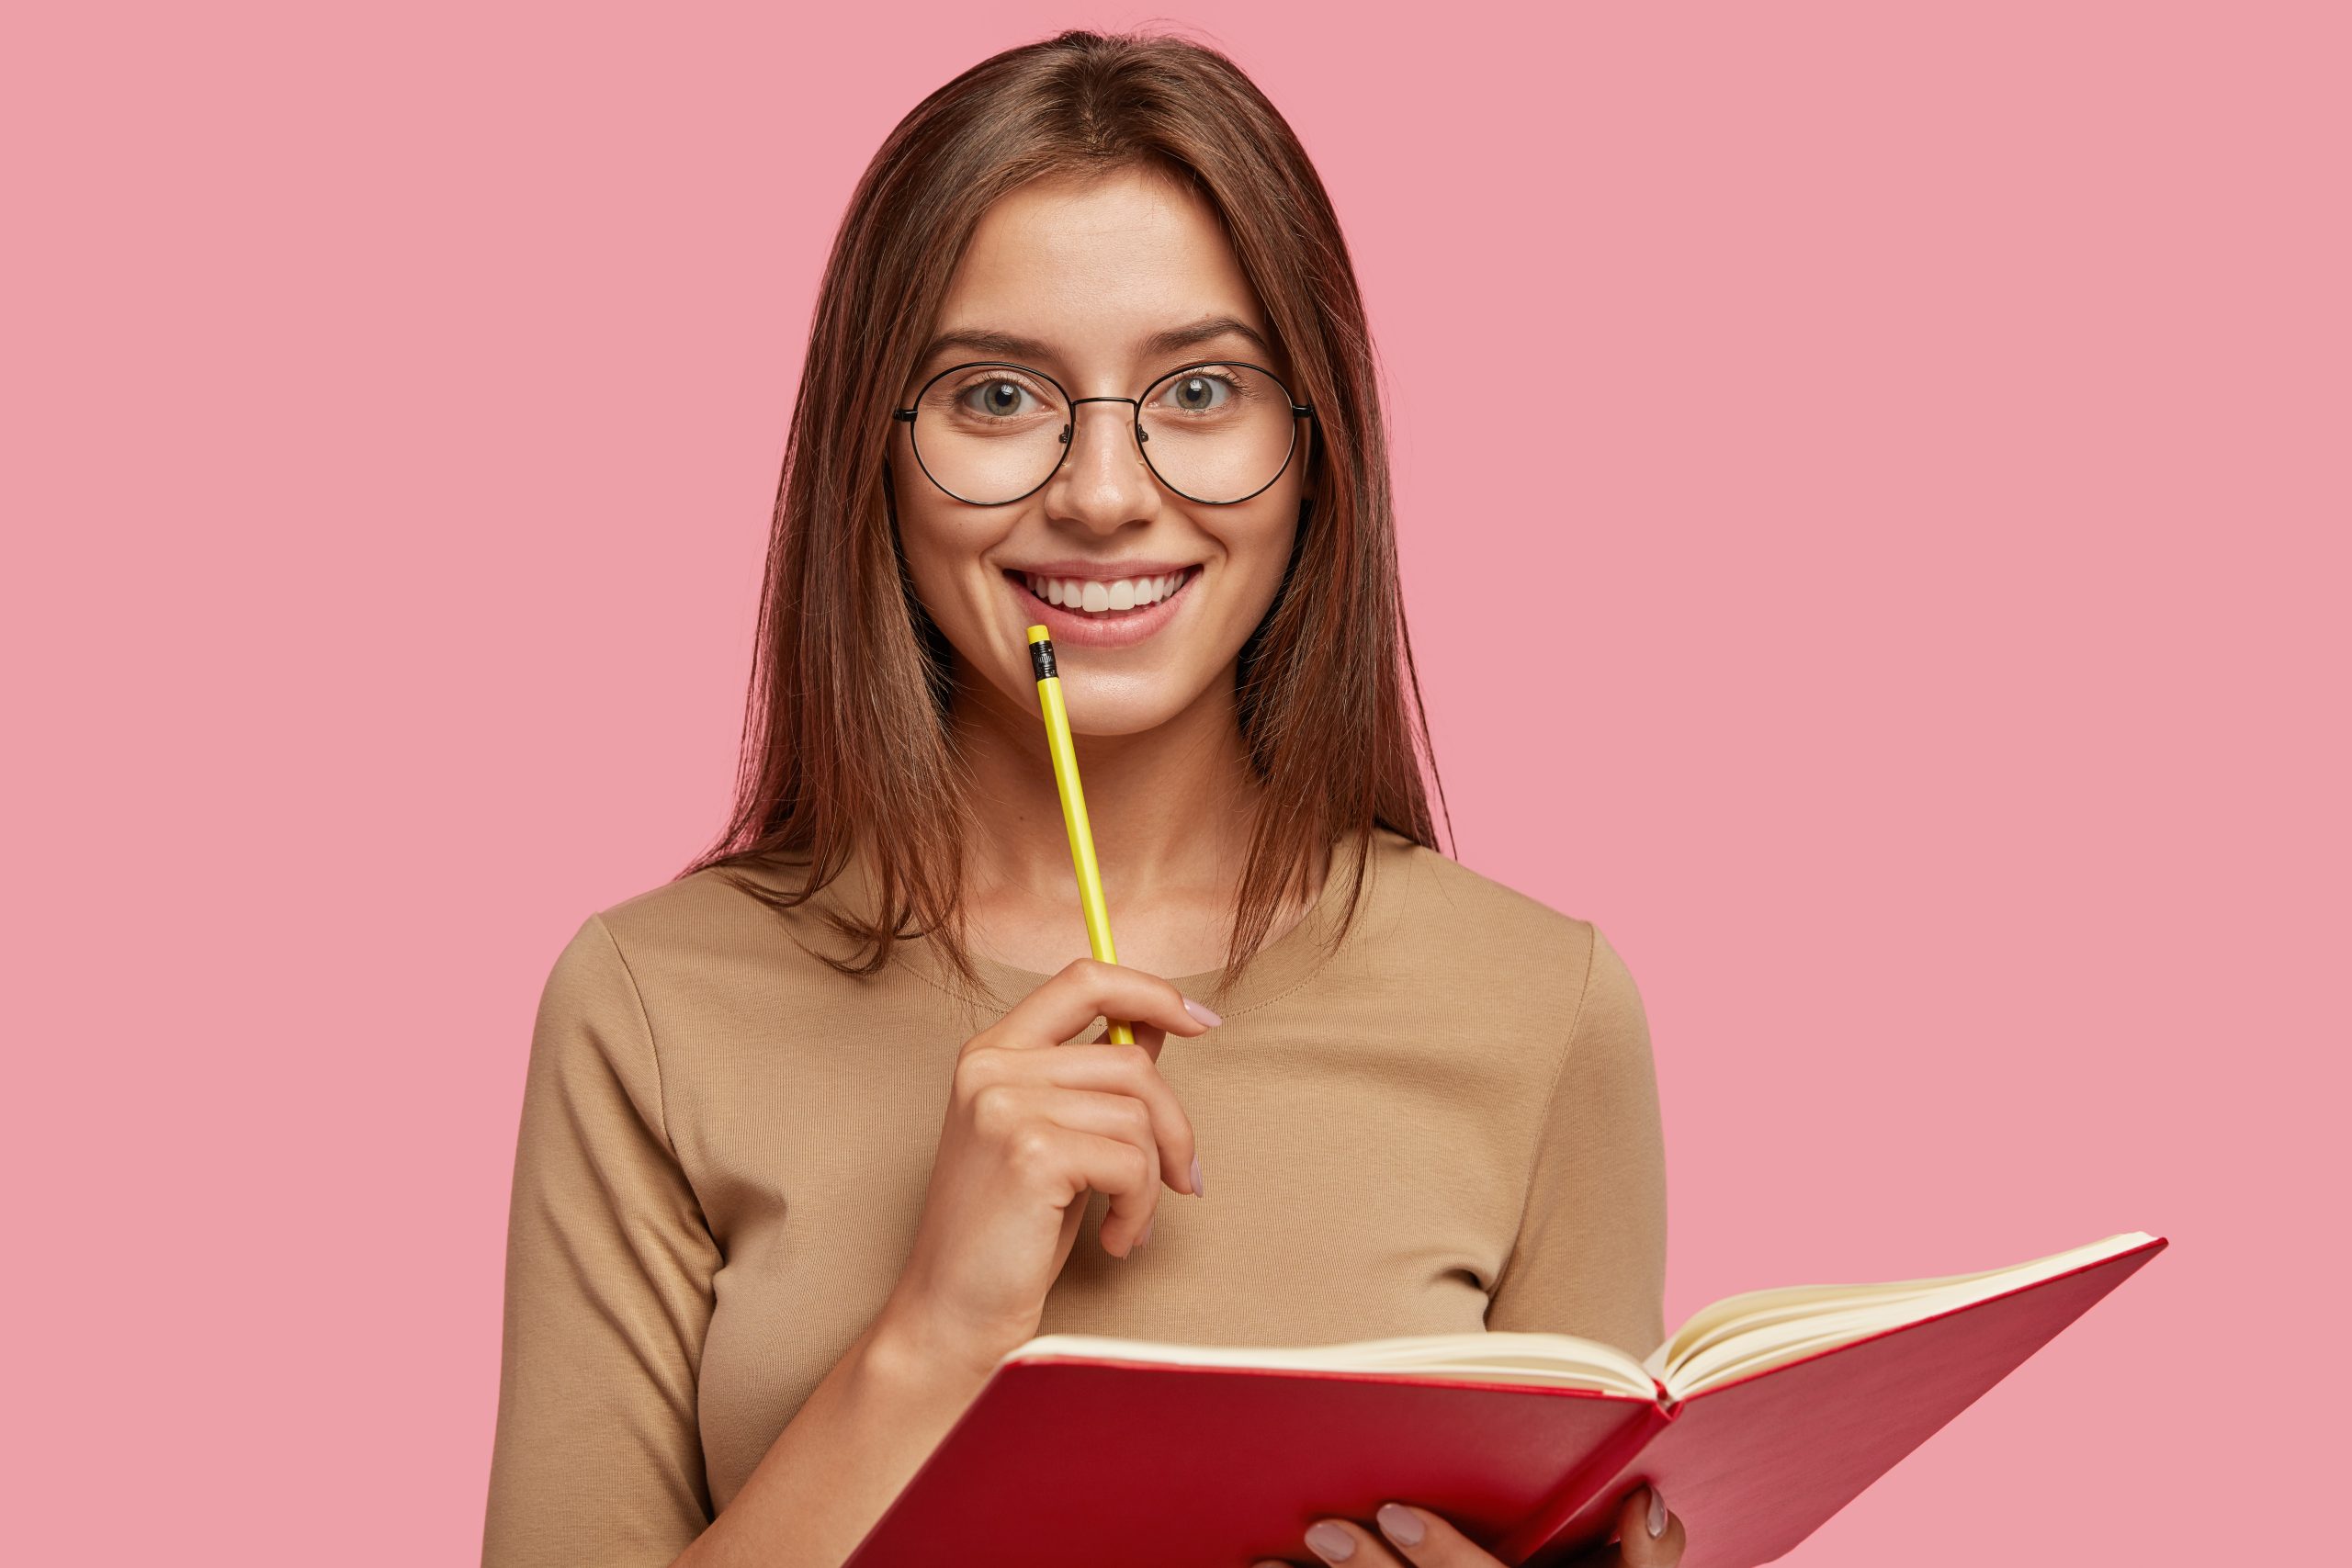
x,y
1138,1069
1134,1117
981,1067
992,1107
1030,1150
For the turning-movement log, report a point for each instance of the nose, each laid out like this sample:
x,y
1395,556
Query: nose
x,y
1103,481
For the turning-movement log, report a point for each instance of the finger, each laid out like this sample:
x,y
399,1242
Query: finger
x,y
1084,989
1642,1508
1059,1165
1344,1540
1116,1069
1119,1116
1427,1539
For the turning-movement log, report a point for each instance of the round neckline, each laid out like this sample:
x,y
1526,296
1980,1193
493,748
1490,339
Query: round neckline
x,y
1278,967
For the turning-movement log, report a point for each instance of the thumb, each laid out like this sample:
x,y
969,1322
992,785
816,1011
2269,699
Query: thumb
x,y
1642,1508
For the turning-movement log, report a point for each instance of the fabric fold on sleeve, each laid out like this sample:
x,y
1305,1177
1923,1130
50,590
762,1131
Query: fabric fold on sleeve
x,y
597,1458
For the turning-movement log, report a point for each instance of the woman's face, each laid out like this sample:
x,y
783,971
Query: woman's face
x,y
1074,279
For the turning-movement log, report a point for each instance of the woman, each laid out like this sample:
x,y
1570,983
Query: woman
x,y
811,1133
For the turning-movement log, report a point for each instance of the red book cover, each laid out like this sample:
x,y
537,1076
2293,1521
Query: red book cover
x,y
1079,1461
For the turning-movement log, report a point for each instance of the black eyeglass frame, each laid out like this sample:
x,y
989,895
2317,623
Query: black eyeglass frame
x,y
1143,437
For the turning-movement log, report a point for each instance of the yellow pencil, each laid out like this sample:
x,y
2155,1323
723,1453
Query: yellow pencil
x,y
1082,839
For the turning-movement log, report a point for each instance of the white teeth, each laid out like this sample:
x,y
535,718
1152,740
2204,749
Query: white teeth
x,y
1094,594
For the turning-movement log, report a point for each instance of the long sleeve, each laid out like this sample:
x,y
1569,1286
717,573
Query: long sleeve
x,y
597,1459
1590,1253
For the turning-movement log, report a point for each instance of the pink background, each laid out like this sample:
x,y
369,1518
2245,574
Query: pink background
x,y
1873,500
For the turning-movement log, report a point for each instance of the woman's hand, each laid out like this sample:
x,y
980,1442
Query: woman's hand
x,y
1031,1125
1419,1537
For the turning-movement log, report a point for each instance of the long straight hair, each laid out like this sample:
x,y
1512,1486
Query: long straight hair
x,y
845,741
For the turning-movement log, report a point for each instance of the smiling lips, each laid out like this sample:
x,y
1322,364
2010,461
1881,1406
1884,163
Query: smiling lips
x,y
1099,611
1094,595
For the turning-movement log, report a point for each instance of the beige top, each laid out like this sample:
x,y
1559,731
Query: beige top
x,y
1451,1123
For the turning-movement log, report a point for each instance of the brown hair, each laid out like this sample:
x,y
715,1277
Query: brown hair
x,y
845,742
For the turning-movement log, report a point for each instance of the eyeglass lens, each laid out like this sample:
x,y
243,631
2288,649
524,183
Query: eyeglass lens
x,y
1213,432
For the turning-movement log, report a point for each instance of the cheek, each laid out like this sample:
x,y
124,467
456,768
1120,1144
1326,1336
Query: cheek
x,y
928,541
942,577
948,581
925,545
1261,553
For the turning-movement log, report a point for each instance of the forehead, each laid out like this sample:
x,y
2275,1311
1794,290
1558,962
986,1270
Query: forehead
x,y
1093,266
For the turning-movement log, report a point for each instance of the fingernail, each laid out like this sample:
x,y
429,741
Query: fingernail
x,y
1197,1010
1147,1230
1404,1526
1196,1175
1332,1543
1657,1513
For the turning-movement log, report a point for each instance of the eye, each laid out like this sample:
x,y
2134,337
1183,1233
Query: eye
x,y
995,397
1199,391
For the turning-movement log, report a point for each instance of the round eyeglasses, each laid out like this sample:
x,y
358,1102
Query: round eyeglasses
x,y
991,432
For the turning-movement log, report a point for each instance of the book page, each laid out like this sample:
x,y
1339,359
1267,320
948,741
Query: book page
x,y
1751,1333
1551,1360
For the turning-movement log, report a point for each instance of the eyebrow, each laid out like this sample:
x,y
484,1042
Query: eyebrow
x,y
1012,345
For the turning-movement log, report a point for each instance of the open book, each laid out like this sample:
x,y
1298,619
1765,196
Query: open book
x,y
1758,1418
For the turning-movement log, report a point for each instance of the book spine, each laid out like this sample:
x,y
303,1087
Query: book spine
x,y
1576,1489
